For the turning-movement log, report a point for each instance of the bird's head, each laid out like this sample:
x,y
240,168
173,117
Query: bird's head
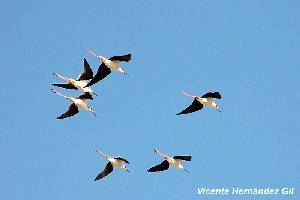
x,y
121,70
215,106
124,167
91,110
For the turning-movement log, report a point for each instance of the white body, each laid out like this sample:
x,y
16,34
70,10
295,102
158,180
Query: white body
x,y
175,163
207,102
116,163
80,103
114,65
80,85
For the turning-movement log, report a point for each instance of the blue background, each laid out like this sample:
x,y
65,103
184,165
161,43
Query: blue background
x,y
247,50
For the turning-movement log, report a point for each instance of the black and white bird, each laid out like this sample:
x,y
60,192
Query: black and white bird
x,y
79,102
81,81
174,162
206,99
107,65
117,162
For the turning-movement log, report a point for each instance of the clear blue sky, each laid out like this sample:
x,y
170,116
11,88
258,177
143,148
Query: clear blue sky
x,y
247,50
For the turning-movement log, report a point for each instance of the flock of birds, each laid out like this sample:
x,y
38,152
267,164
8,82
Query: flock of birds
x,y
84,82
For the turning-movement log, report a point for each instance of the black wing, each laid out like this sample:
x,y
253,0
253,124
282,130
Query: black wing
x,y
123,159
195,106
125,58
65,85
73,110
85,96
107,170
102,72
87,73
161,167
186,158
212,95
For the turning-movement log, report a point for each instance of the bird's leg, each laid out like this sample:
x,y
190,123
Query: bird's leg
x,y
92,53
61,77
161,154
102,154
185,94
91,110
60,94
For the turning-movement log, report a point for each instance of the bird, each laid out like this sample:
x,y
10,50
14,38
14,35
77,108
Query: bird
x,y
80,82
175,162
79,102
198,102
107,65
117,162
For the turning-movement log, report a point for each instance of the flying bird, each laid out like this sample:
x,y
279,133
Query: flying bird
x,y
112,162
107,65
206,99
79,102
175,162
81,81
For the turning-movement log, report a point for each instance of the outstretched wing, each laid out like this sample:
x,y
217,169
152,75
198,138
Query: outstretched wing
x,y
107,170
65,85
186,158
125,58
87,73
123,159
73,110
212,95
102,72
161,167
195,106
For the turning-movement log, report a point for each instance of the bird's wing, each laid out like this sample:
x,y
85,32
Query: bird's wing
x,y
186,158
65,85
123,159
85,96
125,58
161,167
212,95
107,170
195,106
73,110
102,72
87,73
